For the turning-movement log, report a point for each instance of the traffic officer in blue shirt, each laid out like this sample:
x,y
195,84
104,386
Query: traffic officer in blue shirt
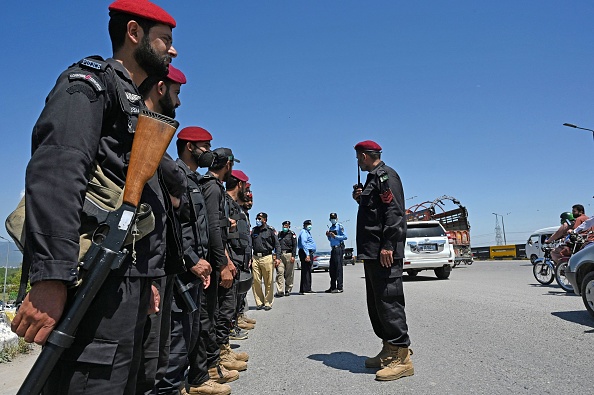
x,y
336,236
307,247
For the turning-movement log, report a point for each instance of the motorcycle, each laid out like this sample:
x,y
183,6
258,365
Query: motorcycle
x,y
575,242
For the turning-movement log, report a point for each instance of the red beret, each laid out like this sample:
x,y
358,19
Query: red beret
x,y
175,75
144,9
368,145
240,175
194,133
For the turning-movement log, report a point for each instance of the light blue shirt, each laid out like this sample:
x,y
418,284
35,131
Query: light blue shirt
x,y
306,241
340,235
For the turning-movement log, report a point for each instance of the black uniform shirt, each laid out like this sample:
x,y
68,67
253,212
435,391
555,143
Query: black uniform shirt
x,y
381,221
82,122
238,253
193,219
214,197
264,240
288,242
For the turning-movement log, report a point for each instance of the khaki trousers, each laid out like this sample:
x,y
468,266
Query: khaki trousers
x,y
263,270
284,274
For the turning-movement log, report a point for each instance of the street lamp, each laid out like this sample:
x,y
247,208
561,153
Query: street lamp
x,y
503,225
571,125
5,268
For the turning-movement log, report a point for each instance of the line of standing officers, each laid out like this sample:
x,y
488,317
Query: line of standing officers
x,y
162,322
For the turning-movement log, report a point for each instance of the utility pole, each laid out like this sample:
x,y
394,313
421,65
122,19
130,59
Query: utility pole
x,y
498,238
5,269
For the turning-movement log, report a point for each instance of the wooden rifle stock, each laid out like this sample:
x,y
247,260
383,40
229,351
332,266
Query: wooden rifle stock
x,y
153,134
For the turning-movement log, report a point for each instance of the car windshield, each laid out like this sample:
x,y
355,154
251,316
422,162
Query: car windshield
x,y
424,230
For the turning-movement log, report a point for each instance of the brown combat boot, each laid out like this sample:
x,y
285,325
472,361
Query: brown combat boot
x,y
240,356
248,320
243,324
396,365
228,360
221,375
376,362
209,387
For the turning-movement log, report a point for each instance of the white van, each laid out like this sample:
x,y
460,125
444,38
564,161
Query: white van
x,y
536,240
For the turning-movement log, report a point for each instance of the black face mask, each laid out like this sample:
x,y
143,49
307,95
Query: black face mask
x,y
203,158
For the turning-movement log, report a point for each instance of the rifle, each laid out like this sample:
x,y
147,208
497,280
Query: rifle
x,y
153,134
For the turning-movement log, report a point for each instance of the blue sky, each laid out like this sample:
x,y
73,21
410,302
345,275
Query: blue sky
x,y
467,98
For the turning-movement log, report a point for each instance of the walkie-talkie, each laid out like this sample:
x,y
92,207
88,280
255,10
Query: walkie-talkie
x,y
358,185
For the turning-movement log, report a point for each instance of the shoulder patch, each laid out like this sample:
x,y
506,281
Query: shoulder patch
x,y
84,89
93,64
384,177
88,78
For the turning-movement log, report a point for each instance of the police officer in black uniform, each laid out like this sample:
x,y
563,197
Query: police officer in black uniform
x,y
286,270
381,233
223,271
240,253
264,242
161,95
90,117
193,147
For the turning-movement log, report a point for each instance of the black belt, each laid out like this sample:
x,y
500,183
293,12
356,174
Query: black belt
x,y
340,245
261,254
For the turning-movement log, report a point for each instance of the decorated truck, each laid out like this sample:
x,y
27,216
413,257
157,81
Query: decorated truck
x,y
455,222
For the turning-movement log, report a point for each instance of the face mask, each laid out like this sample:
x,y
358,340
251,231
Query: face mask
x,y
285,229
308,227
333,221
258,222
203,158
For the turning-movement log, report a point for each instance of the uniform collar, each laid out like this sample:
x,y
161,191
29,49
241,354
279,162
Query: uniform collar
x,y
380,164
120,69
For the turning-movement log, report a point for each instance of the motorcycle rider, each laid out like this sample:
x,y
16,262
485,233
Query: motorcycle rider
x,y
569,221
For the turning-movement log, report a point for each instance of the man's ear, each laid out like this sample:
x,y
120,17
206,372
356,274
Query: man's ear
x,y
134,32
161,88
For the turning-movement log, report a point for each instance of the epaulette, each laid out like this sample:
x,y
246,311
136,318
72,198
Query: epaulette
x,y
206,177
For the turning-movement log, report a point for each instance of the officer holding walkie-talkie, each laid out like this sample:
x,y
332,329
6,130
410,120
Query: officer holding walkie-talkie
x,y
381,233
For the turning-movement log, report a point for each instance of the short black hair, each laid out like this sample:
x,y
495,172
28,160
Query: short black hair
x,y
181,146
375,155
579,208
231,183
118,23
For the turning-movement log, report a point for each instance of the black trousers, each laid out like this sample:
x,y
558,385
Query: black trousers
x,y
225,313
205,338
385,302
305,285
156,340
185,328
107,351
336,256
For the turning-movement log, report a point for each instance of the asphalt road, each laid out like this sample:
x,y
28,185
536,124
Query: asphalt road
x,y
489,329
